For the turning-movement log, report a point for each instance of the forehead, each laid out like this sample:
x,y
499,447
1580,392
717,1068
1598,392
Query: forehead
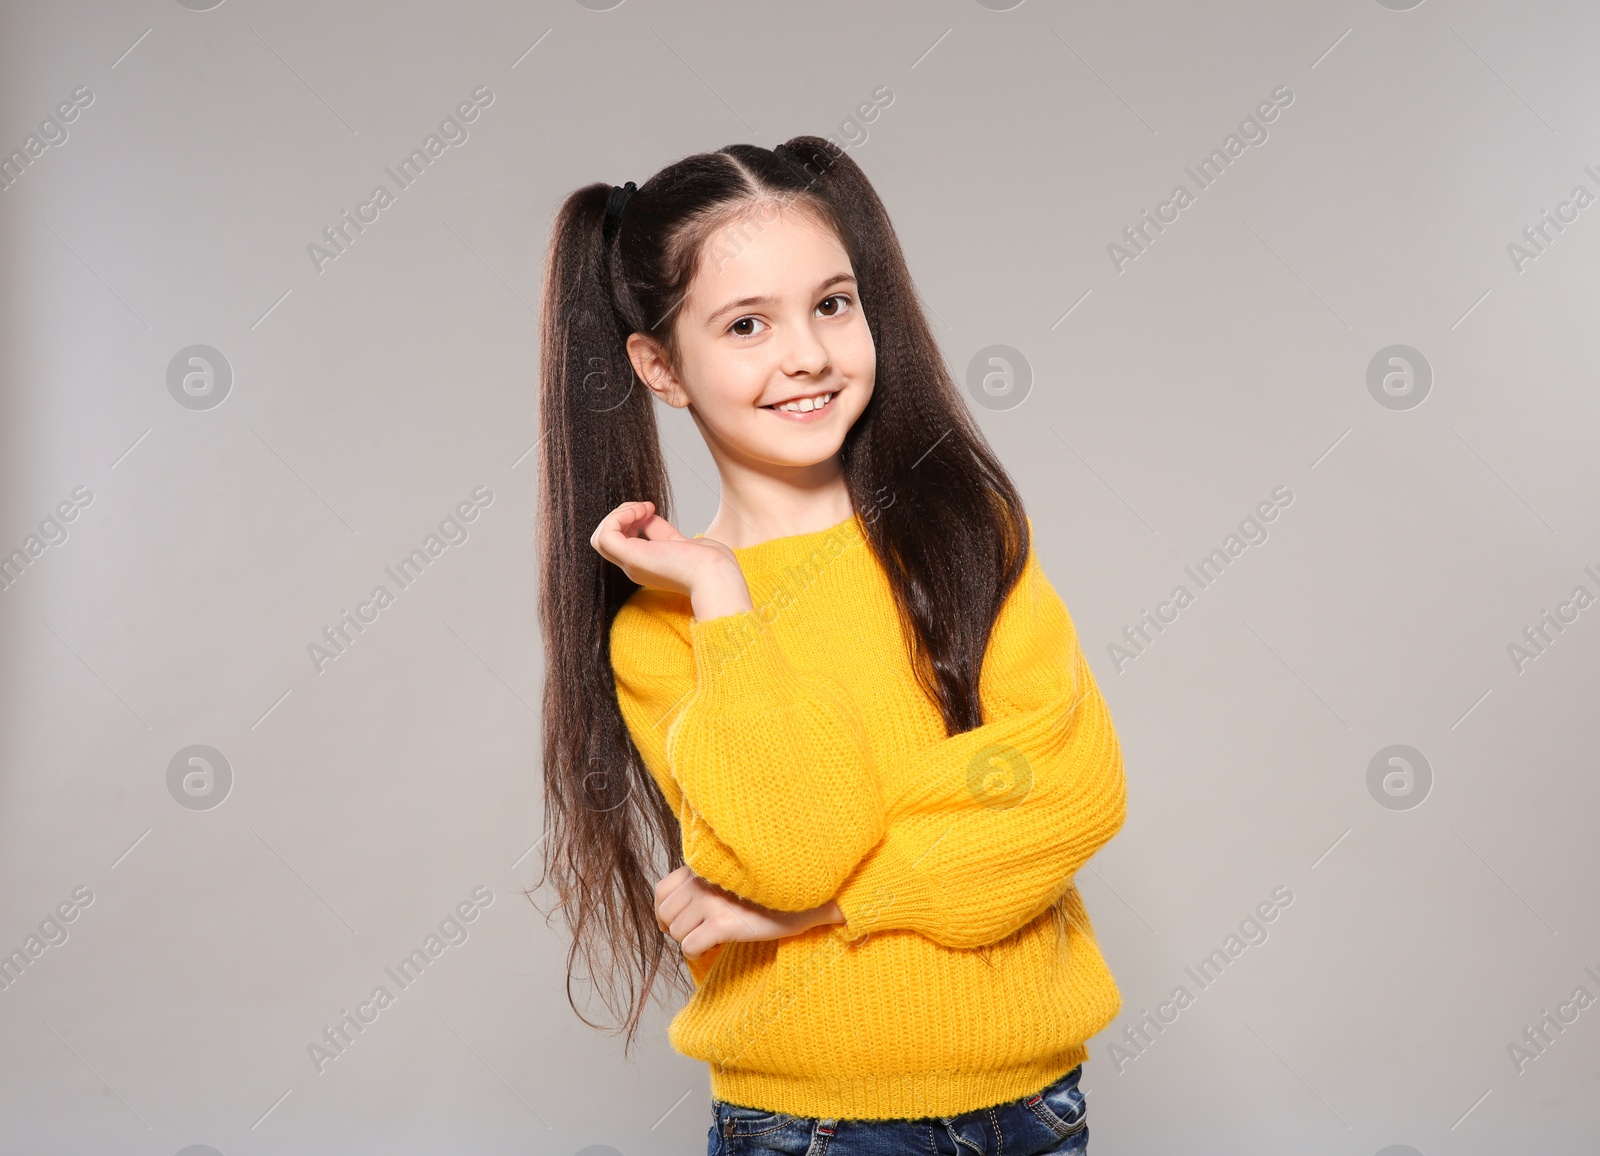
x,y
769,248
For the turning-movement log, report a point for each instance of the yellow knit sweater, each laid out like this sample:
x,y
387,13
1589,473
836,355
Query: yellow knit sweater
x,y
805,764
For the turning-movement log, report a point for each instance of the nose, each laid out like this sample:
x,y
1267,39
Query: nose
x,y
805,354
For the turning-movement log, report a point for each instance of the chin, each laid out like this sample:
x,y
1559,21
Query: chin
x,y
796,455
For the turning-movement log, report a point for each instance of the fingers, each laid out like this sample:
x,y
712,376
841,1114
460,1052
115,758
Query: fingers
x,y
657,529
701,928
694,944
672,896
700,915
689,923
621,536
672,881
621,520
691,913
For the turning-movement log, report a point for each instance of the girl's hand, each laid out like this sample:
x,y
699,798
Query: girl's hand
x,y
651,551
700,915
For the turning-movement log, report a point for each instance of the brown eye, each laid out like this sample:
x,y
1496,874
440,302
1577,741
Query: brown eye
x,y
836,297
734,328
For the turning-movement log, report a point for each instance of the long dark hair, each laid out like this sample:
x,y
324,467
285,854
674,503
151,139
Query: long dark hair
x,y
946,522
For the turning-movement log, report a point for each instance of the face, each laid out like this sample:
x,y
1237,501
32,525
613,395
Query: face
x,y
772,316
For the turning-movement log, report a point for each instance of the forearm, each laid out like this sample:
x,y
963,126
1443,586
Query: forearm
x,y
966,868
764,755
966,886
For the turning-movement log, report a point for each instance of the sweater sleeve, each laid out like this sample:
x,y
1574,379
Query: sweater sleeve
x,y
769,769
700,968
987,828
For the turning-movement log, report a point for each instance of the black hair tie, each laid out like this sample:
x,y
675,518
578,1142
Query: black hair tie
x,y
617,201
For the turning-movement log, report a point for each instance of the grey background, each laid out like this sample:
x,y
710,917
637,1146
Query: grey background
x,y
1167,400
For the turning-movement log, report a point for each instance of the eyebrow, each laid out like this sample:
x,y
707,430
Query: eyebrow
x,y
770,300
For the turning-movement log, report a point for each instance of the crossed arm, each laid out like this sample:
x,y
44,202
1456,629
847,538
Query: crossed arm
x,y
742,744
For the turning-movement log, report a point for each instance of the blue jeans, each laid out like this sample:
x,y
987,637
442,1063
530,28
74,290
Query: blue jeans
x,y
1051,1120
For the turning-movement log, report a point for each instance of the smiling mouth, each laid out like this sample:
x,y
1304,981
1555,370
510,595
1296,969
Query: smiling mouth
x,y
805,405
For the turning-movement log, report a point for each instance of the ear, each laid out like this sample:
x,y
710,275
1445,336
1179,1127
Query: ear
x,y
650,364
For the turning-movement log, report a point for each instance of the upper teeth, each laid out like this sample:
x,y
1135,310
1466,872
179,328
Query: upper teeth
x,y
805,404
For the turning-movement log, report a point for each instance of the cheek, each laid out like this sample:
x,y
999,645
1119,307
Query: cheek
x,y
856,357
864,372
728,404
722,384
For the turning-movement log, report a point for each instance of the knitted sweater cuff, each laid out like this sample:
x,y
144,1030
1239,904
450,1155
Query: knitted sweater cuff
x,y
738,664
700,967
893,893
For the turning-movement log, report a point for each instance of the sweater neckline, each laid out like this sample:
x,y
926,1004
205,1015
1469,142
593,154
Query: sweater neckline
x,y
776,553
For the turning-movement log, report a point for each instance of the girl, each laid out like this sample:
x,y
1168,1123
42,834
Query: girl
x,y
853,717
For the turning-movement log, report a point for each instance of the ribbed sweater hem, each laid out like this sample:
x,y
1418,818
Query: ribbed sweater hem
x,y
890,1095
